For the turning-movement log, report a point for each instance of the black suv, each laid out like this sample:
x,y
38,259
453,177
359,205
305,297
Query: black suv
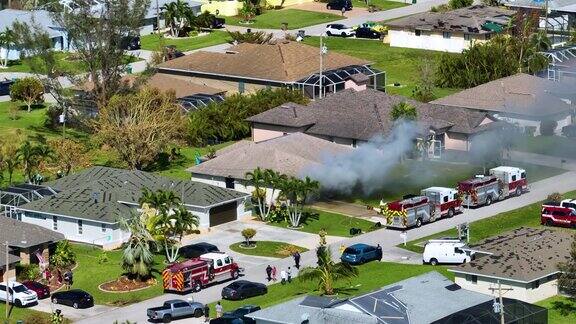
x,y
339,4
196,250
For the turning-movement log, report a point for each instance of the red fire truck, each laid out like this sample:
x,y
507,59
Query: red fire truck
x,y
195,274
445,199
559,214
502,182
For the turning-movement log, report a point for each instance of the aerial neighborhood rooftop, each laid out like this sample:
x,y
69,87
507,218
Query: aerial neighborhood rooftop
x,y
297,162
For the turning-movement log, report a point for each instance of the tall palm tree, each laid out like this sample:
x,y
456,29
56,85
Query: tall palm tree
x,y
172,227
256,179
7,39
297,193
327,273
176,15
29,154
272,179
161,200
137,258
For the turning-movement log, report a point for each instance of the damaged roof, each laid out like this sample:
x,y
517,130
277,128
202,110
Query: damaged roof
x,y
470,20
24,235
282,61
364,114
520,94
105,194
290,154
524,255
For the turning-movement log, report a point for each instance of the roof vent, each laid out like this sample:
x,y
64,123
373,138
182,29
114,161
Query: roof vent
x,y
453,287
95,195
231,52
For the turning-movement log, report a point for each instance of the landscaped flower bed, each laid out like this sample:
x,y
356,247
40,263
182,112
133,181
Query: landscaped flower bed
x,y
124,284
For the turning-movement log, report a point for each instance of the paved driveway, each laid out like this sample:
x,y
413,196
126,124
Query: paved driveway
x,y
388,239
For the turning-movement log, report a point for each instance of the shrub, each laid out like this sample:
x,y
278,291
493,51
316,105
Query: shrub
x,y
258,37
547,127
103,257
287,250
27,272
63,255
555,197
457,4
29,89
248,234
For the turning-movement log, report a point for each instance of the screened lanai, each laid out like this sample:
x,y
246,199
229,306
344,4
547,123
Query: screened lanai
x,y
21,194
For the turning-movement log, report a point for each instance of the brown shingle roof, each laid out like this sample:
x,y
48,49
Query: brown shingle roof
x,y
521,94
467,20
363,114
524,254
282,61
289,154
23,235
181,87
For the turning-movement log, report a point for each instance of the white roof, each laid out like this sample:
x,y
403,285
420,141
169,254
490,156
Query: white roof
x,y
440,189
507,169
213,255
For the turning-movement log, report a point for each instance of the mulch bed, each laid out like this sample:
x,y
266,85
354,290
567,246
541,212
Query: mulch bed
x,y
123,284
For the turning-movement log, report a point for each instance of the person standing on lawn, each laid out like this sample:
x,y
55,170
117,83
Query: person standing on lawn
x,y
219,310
274,273
289,275
269,273
283,277
296,256
206,313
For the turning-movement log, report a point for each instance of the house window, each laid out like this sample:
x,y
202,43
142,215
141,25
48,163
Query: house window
x,y
467,37
471,278
241,87
417,32
447,35
103,227
55,223
80,229
229,183
354,144
535,284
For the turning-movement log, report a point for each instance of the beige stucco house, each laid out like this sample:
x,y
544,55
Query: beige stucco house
x,y
524,261
352,117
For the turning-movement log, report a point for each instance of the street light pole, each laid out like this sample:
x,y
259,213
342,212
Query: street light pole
x,y
323,50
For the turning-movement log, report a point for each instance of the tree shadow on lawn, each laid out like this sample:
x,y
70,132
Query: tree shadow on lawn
x,y
308,217
565,308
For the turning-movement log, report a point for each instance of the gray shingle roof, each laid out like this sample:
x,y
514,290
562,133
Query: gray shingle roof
x,y
289,154
105,194
520,94
40,17
23,235
363,114
468,20
524,254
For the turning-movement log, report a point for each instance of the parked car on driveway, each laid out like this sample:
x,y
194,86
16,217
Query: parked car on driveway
x,y
175,308
197,249
556,215
367,32
241,313
76,298
242,289
42,291
130,43
361,253
19,294
227,319
339,4
339,30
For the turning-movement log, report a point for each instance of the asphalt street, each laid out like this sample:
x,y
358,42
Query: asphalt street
x,y
387,238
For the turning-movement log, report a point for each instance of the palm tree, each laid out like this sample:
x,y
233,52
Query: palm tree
x,y
161,200
137,258
327,273
403,110
297,193
7,39
256,179
169,228
29,154
175,15
272,179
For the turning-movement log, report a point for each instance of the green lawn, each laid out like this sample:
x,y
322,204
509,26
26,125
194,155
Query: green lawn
x,y
528,216
295,18
412,176
267,249
89,275
372,275
381,4
548,145
152,42
561,310
29,316
334,224
400,64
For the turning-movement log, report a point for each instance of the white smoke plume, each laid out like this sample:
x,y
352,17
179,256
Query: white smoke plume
x,y
367,166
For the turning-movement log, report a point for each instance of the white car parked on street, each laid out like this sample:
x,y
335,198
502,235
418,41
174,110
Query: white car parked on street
x,y
339,30
19,294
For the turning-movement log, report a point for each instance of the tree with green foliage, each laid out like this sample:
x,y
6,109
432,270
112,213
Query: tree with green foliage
x,y
327,273
262,180
424,89
29,89
567,280
137,258
9,155
32,153
226,120
253,37
63,256
403,111
457,4
7,40
176,15
297,193
248,234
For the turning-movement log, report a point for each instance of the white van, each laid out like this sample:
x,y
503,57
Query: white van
x,y
446,251
19,294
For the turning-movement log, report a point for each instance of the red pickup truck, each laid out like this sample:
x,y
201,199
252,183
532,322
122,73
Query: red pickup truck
x,y
558,214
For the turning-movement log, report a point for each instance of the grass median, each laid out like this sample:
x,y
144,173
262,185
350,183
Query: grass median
x,y
294,18
270,249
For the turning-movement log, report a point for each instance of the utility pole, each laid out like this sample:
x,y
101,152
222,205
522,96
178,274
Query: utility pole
x,y
6,281
500,301
323,50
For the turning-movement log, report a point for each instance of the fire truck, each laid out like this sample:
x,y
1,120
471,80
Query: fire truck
x,y
194,274
502,182
445,199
